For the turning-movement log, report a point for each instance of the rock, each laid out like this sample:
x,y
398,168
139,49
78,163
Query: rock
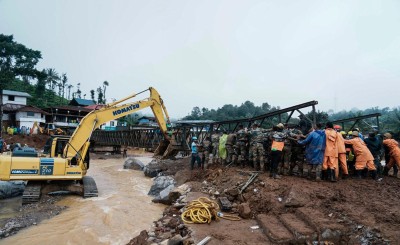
x,y
294,200
234,192
176,240
160,183
182,176
132,163
11,188
244,210
153,169
164,196
140,239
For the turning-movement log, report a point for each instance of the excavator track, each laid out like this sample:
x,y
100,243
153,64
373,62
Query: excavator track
x,y
89,187
31,193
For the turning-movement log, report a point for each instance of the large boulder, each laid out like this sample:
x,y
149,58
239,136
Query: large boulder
x,y
153,169
160,183
164,197
11,188
133,163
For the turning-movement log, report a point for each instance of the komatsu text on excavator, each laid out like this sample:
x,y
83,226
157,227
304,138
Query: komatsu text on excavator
x,y
64,168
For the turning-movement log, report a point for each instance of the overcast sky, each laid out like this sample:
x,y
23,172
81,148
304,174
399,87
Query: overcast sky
x,y
344,54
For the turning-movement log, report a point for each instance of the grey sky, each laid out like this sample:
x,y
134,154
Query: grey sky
x,y
211,53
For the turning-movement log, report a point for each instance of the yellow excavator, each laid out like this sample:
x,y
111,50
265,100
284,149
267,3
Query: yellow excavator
x,y
64,165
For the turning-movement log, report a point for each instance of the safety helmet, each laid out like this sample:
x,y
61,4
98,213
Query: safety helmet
x,y
337,126
343,132
194,138
280,125
355,133
350,133
387,135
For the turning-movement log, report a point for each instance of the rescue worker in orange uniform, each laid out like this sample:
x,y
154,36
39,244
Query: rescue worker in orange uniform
x,y
394,152
342,158
364,157
331,152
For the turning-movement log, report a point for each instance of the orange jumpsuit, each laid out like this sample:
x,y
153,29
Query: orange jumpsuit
x,y
341,156
394,152
331,151
364,157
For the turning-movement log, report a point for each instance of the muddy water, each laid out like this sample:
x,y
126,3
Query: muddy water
x,y
121,211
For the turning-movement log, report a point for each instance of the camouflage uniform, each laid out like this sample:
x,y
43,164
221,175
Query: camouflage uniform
x,y
297,157
230,143
206,153
257,148
241,145
215,144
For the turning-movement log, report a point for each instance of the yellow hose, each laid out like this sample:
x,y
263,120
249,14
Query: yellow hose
x,y
202,211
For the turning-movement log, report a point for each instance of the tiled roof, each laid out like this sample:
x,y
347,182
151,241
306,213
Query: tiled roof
x,y
32,109
82,102
12,107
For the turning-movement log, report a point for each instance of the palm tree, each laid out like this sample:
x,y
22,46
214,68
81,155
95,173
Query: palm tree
x,y
52,79
70,86
105,84
64,81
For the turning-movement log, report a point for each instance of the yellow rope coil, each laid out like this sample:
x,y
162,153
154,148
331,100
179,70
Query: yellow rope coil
x,y
202,211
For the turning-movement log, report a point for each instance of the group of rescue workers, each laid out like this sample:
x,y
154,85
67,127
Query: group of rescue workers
x,y
280,149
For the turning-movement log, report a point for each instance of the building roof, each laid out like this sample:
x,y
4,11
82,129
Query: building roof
x,y
32,109
16,93
12,107
81,102
94,107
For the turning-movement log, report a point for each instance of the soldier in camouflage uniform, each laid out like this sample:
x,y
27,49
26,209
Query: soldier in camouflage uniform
x,y
257,148
241,145
215,145
207,151
297,158
287,150
230,144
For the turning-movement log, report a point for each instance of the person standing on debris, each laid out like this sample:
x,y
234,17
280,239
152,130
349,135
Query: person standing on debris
x,y
297,156
287,149
374,145
195,153
394,153
215,147
222,147
331,152
364,158
241,144
278,143
342,158
257,147
315,148
230,143
207,151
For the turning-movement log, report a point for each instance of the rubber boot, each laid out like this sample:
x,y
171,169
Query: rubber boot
x,y
374,174
328,175
358,174
395,171
276,176
385,171
317,173
324,174
290,172
333,176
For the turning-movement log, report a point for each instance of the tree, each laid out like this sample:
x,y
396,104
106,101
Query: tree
x,y
64,81
78,91
100,97
105,85
70,86
92,95
15,60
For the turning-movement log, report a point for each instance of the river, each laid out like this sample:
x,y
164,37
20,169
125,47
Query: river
x,y
118,214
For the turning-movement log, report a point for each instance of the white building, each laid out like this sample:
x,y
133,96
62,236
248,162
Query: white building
x,y
16,113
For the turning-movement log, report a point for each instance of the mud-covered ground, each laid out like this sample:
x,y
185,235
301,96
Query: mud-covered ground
x,y
287,210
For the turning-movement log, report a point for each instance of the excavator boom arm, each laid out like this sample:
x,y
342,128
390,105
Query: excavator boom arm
x,y
113,111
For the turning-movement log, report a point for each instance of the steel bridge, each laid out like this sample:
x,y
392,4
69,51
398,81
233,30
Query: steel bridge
x,y
183,131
